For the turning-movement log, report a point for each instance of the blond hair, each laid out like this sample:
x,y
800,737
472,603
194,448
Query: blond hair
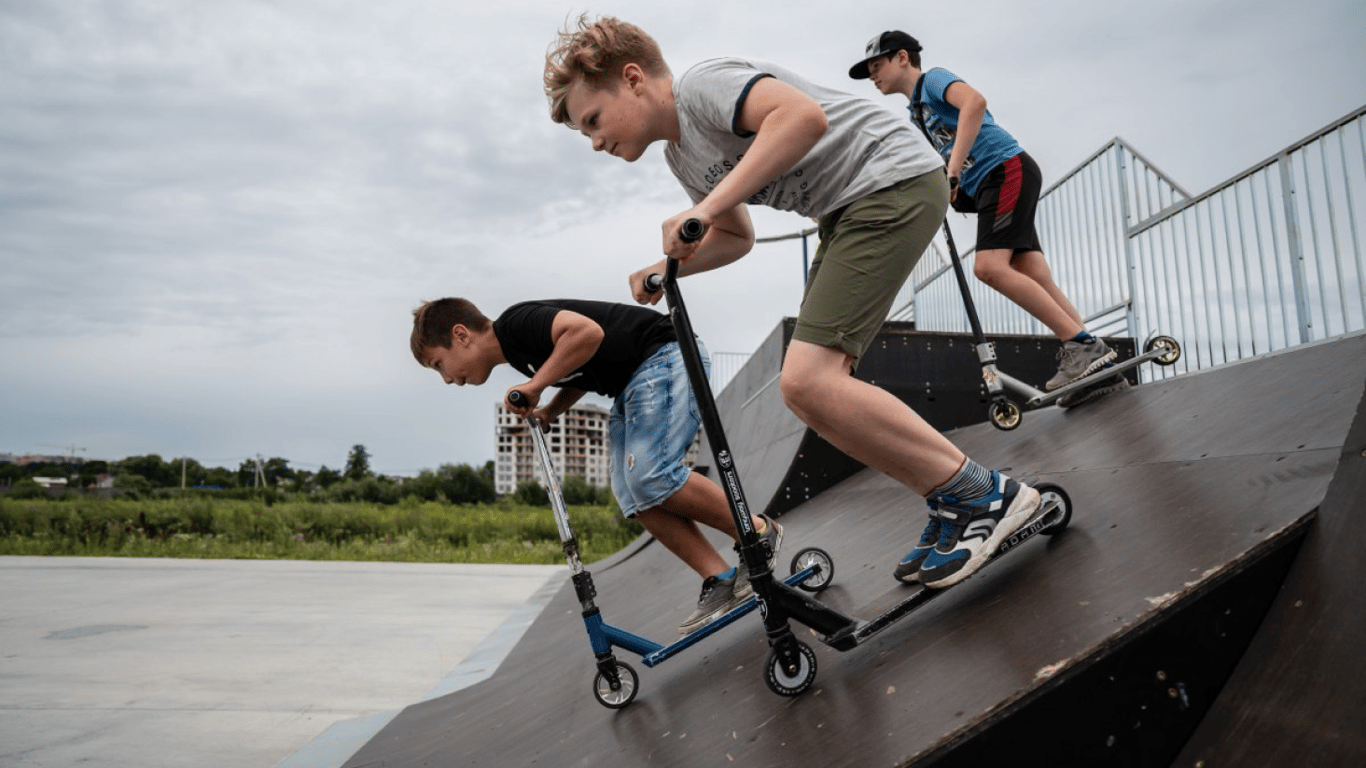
x,y
595,52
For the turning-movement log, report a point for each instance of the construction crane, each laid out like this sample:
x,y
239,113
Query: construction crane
x,y
71,450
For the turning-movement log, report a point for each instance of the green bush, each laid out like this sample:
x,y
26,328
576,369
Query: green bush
x,y
28,488
202,525
531,493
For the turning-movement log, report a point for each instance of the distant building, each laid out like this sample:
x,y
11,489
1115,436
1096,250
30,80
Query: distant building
x,y
51,482
578,445
577,441
39,458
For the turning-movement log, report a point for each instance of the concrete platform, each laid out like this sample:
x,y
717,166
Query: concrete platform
x,y
137,663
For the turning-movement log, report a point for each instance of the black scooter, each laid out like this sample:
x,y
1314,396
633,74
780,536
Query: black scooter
x,y
791,665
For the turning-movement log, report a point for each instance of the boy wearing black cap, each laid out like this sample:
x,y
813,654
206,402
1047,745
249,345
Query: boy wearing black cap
x,y
990,175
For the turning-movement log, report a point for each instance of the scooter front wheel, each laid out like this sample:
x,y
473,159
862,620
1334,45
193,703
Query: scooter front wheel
x,y
791,682
1004,414
625,693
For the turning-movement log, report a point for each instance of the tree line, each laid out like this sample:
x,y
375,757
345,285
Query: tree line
x,y
151,475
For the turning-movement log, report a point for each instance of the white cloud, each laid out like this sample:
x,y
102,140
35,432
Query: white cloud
x,y
216,217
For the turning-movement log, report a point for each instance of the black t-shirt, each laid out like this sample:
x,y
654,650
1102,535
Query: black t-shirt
x,y
630,336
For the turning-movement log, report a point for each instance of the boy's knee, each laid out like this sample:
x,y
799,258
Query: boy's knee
x,y
985,270
799,388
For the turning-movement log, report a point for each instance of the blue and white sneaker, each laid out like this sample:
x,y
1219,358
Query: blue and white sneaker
x,y
908,570
971,530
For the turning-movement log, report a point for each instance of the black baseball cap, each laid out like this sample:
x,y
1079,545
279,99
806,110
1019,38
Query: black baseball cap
x,y
884,44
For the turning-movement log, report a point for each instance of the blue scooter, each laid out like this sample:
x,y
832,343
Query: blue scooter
x,y
616,682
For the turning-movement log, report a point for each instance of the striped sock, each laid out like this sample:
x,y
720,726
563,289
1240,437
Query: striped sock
x,y
973,481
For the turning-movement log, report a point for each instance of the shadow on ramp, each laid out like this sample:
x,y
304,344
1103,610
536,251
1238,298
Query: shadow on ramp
x,y
1181,489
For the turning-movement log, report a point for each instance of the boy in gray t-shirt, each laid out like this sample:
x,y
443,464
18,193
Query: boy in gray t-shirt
x,y
744,132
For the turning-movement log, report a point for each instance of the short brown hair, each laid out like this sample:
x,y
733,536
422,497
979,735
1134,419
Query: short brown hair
x,y
595,52
433,321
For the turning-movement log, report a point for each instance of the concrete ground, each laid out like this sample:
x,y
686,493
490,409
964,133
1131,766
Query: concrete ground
x,y
143,663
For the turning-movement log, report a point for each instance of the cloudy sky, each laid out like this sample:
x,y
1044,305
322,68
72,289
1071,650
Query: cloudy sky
x,y
216,217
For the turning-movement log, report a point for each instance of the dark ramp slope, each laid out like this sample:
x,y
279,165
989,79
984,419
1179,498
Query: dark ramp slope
x,y
1180,486
782,463
1298,697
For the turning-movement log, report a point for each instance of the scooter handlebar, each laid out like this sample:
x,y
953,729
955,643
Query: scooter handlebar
x,y
518,399
691,231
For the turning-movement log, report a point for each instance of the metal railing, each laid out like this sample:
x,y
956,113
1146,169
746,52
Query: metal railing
x,y
724,366
1269,259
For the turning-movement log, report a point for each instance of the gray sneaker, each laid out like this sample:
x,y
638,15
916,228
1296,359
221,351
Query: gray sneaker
x,y
1077,359
718,598
773,534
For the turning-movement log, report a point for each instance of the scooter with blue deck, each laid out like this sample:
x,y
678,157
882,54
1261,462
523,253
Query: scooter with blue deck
x,y
791,665
616,682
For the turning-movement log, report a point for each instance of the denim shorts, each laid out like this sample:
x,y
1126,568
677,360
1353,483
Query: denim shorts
x,y
652,425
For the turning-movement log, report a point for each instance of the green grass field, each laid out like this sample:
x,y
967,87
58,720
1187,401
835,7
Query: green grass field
x,y
206,527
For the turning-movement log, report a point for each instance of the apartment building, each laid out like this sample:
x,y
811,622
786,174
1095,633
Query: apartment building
x,y
577,441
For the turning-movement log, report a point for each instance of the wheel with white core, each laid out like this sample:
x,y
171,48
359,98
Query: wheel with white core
x,y
627,682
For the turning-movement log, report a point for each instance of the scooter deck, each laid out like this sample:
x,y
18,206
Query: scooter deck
x,y
654,653
898,601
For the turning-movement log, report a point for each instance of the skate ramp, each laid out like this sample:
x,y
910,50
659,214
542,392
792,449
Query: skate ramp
x,y
1182,488
1298,696
783,463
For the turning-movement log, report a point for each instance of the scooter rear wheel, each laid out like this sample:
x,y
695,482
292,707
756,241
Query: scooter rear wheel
x,y
1172,347
1055,494
814,557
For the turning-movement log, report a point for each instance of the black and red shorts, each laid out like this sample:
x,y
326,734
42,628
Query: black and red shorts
x,y
1005,204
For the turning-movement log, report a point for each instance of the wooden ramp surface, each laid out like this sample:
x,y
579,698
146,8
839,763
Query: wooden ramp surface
x,y
1177,486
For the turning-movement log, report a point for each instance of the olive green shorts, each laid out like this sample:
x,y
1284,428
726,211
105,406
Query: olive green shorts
x,y
867,250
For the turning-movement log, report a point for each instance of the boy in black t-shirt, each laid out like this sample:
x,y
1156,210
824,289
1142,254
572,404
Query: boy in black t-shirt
x,y
631,355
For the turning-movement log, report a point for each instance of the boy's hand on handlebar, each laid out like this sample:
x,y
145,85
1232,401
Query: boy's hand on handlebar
x,y
674,245
639,292
542,417
524,403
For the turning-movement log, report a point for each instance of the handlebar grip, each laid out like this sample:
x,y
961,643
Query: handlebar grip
x,y
654,282
516,398
691,231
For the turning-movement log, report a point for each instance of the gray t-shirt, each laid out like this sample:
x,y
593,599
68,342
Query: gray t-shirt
x,y
866,148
